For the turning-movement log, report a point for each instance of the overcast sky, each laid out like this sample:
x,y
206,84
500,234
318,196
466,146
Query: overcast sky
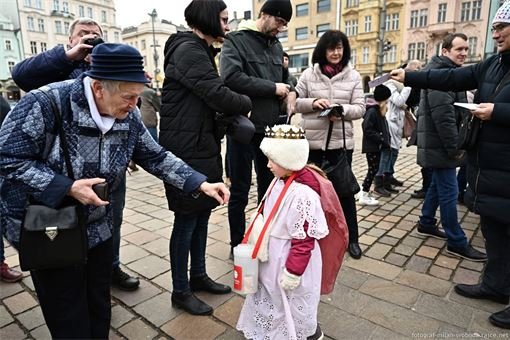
x,y
130,13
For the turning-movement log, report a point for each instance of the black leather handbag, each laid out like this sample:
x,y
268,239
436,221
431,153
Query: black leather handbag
x,y
340,174
468,132
54,238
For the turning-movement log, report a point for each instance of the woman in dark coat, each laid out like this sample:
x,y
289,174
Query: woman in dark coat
x,y
193,93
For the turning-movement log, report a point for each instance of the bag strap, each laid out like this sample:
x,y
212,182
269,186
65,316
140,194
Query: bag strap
x,y
330,132
270,217
63,140
503,81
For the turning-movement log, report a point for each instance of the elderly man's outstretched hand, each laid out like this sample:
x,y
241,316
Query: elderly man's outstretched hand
x,y
218,191
83,192
398,75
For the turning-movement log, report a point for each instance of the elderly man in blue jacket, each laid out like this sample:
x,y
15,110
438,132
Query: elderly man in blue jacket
x,y
59,64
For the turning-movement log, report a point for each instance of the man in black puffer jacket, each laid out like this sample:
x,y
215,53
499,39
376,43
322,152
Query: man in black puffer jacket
x,y
437,150
488,161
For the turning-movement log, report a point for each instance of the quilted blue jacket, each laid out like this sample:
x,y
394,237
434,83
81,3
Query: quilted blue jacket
x,y
31,161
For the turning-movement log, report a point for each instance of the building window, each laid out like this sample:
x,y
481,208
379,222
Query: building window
x,y
28,3
299,61
465,10
411,51
33,47
323,6
353,57
441,13
66,27
352,3
44,46
420,51
365,55
321,29
89,13
423,17
387,22
30,24
390,56
368,23
8,45
58,27
143,45
56,5
302,10
477,9
40,25
351,27
105,36
116,37
395,21
38,4
10,66
103,16
414,19
472,42
301,33
65,7
81,11
283,36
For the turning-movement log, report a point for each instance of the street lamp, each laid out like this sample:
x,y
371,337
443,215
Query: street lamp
x,y
155,55
381,46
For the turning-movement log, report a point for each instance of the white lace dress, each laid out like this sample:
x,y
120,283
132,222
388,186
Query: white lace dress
x,y
273,313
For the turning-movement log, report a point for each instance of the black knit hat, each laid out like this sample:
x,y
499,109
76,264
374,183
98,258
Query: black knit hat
x,y
381,93
278,8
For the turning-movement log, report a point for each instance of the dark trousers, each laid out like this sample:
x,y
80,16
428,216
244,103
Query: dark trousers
x,y
373,159
496,276
348,203
240,158
462,180
426,178
189,238
75,301
118,201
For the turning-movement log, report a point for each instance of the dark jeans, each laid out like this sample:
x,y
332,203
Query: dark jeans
x,y
348,203
118,201
387,162
442,193
426,178
496,276
75,301
189,237
373,159
240,158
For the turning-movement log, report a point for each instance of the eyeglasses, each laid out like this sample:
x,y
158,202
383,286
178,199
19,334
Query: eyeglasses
x,y
336,48
499,27
281,22
224,20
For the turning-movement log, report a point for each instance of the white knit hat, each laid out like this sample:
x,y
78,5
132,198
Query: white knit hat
x,y
503,14
286,145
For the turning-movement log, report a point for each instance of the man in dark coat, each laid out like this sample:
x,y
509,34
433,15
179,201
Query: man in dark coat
x,y
488,160
437,150
59,64
251,64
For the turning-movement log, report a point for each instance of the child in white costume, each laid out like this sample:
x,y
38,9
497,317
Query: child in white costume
x,y
285,304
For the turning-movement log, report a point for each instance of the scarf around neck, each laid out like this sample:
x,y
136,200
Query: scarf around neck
x,y
331,70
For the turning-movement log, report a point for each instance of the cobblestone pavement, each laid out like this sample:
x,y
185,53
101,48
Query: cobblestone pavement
x,y
401,288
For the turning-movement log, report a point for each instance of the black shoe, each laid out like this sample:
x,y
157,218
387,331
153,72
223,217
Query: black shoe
x,y
432,232
206,284
391,189
123,281
501,319
382,192
318,335
478,292
419,195
355,250
468,252
191,304
418,190
396,182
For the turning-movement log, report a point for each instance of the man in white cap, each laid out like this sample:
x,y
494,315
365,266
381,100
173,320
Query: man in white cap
x,y
488,160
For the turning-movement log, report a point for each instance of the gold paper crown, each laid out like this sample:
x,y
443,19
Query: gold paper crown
x,y
285,132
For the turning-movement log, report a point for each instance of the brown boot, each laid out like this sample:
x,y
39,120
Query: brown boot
x,y
379,187
9,275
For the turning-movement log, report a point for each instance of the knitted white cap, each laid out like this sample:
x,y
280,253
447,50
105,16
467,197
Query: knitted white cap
x,y
503,14
286,145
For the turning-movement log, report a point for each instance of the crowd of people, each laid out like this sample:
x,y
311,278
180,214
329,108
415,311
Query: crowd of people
x,y
104,129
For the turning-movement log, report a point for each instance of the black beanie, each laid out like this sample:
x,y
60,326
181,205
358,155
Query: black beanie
x,y
278,8
381,93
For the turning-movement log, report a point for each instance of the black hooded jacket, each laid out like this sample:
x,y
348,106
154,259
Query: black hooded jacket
x,y
192,94
375,130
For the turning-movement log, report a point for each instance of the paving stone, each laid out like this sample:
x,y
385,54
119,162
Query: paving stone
x,y
32,318
137,329
128,228
385,225
418,264
424,282
141,237
158,310
137,218
377,268
447,262
217,268
376,232
381,333
392,219
27,281
351,278
187,326
338,324
405,250
9,289
5,316
395,259
150,266
221,235
391,292
440,272
374,218
164,281
434,242
476,266
378,251
389,240
120,316
11,332
159,247
478,304
112,335
481,325
230,310
219,250
231,334
214,300
412,241
367,240
365,224
143,293
397,233
444,310
347,299
41,333
466,276
20,302
428,252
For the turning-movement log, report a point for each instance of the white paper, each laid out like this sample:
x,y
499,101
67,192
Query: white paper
x,y
378,81
467,106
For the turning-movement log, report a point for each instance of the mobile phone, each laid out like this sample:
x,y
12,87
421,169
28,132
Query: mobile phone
x,y
101,190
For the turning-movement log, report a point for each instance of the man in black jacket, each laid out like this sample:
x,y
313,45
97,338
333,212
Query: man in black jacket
x,y
251,64
488,160
437,150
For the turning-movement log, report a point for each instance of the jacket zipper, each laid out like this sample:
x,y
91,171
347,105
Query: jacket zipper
x,y
101,137
477,178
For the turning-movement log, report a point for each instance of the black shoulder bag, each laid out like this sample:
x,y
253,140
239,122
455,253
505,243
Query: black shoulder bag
x,y
340,174
54,238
